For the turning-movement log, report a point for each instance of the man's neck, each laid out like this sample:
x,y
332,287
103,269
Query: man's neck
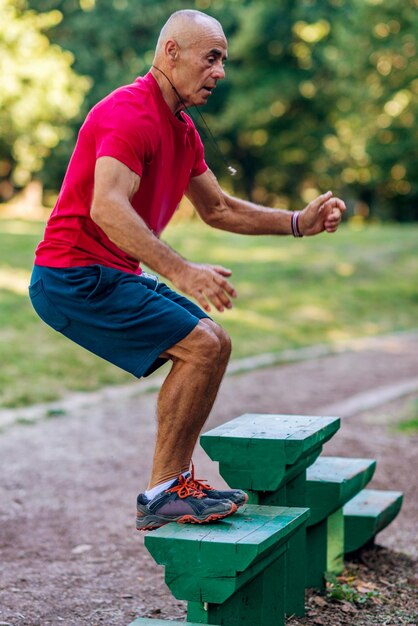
x,y
167,90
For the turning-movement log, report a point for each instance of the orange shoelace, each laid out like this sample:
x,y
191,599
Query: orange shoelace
x,y
186,487
199,483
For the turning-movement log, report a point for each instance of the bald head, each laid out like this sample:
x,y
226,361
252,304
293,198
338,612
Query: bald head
x,y
189,59
186,28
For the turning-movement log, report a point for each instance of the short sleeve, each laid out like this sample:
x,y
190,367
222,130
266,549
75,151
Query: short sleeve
x,y
123,133
199,166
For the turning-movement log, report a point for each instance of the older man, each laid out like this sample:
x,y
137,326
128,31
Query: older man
x,y
137,154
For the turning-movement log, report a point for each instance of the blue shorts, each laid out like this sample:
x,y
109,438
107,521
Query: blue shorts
x,y
126,319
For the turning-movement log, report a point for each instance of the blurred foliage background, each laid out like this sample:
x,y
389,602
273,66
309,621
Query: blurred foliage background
x,y
319,93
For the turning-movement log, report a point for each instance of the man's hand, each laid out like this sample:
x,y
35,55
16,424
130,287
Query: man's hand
x,y
323,213
207,284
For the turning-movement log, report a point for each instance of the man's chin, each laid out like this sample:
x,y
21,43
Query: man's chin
x,y
202,99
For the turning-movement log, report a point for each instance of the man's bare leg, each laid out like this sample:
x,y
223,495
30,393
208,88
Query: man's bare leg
x,y
187,396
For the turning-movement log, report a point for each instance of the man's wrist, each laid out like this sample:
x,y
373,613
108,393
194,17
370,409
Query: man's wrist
x,y
177,268
296,224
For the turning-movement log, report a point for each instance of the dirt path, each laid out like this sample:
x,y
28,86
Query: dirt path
x,y
69,551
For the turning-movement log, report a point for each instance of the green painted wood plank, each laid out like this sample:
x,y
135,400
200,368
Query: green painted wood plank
x,y
197,586
294,470
333,481
181,543
338,469
145,621
239,527
198,612
335,542
296,574
260,601
231,551
271,426
214,590
285,523
367,514
255,478
316,562
325,549
231,544
245,446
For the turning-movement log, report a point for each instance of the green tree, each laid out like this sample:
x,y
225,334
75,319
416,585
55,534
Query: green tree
x,y
274,113
112,42
39,92
384,112
319,93
323,94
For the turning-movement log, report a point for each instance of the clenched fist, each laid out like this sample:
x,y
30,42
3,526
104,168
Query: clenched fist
x,y
323,213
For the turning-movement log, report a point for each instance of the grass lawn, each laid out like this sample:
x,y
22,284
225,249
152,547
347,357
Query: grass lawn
x,y
291,293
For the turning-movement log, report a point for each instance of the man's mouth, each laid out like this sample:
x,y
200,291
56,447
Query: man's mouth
x,y
208,89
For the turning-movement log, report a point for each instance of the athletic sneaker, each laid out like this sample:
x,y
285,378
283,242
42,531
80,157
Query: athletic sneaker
x,y
181,503
237,496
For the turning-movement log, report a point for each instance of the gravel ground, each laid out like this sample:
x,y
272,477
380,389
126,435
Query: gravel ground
x,y
69,551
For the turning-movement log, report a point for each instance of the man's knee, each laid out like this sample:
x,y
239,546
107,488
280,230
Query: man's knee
x,y
222,335
205,346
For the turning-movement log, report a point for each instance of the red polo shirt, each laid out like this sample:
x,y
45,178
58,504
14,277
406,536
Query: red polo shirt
x,y
135,126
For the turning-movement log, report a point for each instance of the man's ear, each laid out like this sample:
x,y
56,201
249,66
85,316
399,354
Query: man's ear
x,y
171,51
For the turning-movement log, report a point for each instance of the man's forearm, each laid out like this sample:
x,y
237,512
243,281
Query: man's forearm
x,y
226,212
247,218
127,230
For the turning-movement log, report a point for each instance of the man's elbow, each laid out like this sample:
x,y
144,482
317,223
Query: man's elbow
x,y
98,212
94,214
217,215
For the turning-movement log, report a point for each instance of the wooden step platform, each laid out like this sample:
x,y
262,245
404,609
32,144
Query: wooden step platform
x,y
332,481
232,571
257,451
367,514
267,456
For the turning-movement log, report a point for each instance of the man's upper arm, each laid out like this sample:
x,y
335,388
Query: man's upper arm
x,y
113,181
207,197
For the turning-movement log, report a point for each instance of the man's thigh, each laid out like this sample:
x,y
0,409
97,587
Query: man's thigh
x,y
126,319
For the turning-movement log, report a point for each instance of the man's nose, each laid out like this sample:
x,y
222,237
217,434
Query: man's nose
x,y
218,71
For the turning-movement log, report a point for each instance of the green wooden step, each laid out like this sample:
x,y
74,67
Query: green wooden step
x,y
257,451
233,571
209,562
332,482
267,455
367,514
